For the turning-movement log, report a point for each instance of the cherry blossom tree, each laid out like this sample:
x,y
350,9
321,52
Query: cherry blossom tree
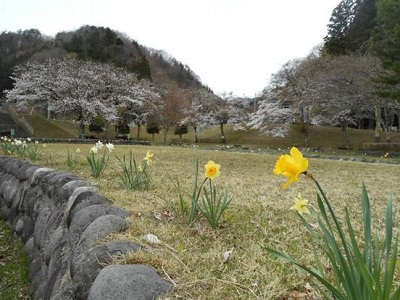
x,y
75,88
292,81
134,110
272,117
197,112
342,91
224,110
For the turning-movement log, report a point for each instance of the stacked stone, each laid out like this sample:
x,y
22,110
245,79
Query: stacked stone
x,y
62,222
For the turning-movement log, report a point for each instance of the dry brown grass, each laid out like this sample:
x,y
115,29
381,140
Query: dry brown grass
x,y
258,217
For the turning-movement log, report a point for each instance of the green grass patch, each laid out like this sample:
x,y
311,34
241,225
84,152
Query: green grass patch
x,y
327,138
14,278
45,128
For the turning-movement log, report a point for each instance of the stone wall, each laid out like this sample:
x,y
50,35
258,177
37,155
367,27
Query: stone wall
x,y
62,221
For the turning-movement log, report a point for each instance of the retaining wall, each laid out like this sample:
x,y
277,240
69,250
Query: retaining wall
x,y
62,221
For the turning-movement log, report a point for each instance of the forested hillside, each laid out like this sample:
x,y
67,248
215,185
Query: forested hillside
x,y
91,43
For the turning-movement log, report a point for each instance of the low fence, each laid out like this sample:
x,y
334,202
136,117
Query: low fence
x,y
62,221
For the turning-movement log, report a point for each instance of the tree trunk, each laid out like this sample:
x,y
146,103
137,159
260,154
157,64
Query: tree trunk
x,y
223,140
306,132
165,130
387,124
306,136
138,131
196,138
378,123
345,134
81,129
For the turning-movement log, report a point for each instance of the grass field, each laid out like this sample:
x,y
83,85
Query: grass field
x,y
328,138
258,217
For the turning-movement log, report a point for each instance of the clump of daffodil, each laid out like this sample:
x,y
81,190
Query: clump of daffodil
x,y
212,170
98,160
33,149
291,166
358,270
7,145
149,157
20,147
213,204
205,200
300,205
135,176
72,157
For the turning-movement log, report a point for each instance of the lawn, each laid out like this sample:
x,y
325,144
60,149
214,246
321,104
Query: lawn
x,y
328,138
13,266
259,216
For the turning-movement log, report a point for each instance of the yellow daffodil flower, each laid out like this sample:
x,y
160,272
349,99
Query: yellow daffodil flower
x,y
212,170
149,157
300,205
291,166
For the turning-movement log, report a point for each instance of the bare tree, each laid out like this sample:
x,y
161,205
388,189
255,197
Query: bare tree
x,y
168,108
343,93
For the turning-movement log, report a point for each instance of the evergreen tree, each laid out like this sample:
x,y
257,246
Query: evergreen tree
x,y
359,33
141,67
153,127
180,130
338,28
350,27
17,48
98,124
386,45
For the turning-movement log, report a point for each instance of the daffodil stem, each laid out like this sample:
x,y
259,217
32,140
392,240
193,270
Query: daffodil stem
x,y
334,218
195,200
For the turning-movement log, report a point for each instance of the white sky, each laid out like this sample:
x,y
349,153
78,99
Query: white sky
x,y
233,45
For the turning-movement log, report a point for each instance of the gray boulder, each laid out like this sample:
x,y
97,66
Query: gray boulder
x,y
86,267
129,282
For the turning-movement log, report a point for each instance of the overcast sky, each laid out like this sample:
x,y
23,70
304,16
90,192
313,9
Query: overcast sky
x,y
233,45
